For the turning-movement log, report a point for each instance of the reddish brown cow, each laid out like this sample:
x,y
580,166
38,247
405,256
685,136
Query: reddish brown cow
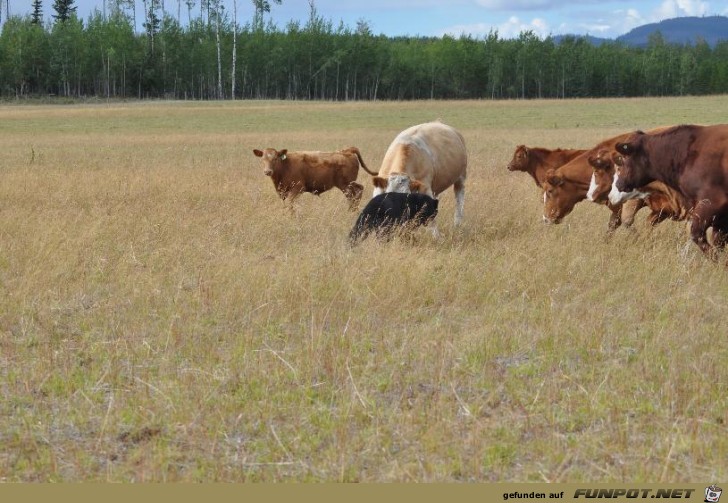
x,y
691,159
663,201
296,172
536,161
568,185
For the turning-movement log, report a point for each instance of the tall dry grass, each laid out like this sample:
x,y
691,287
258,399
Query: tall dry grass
x,y
164,318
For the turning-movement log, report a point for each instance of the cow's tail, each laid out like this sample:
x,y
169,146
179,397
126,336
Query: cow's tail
x,y
355,150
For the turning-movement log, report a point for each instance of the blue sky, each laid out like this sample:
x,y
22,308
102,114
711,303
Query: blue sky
x,y
602,18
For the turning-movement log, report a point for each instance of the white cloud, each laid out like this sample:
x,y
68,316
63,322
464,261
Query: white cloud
x,y
508,29
633,19
674,8
475,29
595,29
514,26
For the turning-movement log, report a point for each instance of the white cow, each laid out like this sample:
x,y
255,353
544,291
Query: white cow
x,y
426,158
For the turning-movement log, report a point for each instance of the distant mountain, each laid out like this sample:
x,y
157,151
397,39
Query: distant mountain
x,y
679,30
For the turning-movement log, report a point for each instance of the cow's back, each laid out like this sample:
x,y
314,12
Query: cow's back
x,y
432,153
319,171
711,145
690,158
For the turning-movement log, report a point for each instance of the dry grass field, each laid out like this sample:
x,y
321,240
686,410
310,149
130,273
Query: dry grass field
x,y
163,317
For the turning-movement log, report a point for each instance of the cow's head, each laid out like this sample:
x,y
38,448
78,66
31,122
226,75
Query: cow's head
x,y
602,176
519,162
271,158
634,163
397,182
560,195
617,196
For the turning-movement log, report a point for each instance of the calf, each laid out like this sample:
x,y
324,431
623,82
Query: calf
x,y
386,212
296,172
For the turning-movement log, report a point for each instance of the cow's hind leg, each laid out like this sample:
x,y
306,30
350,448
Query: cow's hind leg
x,y
657,217
459,189
353,193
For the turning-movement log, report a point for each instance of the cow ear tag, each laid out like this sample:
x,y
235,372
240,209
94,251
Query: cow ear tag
x,y
283,157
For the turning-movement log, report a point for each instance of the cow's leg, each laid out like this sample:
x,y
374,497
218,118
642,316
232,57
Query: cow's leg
x,y
353,193
615,220
284,195
433,225
720,238
656,217
720,231
289,198
459,189
702,217
630,209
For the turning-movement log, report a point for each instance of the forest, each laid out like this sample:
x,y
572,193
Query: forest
x,y
212,57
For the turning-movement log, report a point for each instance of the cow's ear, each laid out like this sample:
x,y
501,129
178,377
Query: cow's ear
x,y
282,154
624,148
258,153
553,178
379,182
416,186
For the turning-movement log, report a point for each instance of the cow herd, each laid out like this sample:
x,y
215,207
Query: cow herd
x,y
420,163
678,172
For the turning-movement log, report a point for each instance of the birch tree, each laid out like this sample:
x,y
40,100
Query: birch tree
x,y
235,48
217,8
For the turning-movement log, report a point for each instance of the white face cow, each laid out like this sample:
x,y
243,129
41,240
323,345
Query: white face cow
x,y
592,188
400,183
618,197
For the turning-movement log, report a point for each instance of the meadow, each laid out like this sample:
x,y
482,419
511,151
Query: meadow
x,y
163,316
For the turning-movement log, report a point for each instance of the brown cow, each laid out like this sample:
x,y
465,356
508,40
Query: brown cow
x,y
536,160
316,172
691,159
426,158
663,201
568,185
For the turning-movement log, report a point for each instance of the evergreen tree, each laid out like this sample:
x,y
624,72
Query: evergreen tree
x,y
261,7
64,10
37,16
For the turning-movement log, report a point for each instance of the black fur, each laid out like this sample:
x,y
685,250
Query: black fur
x,y
391,210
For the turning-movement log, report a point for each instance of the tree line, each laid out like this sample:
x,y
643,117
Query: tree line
x,y
212,57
